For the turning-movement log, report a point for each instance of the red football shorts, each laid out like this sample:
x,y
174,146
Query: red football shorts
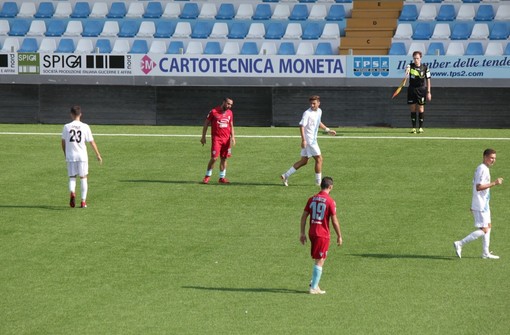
x,y
221,147
320,246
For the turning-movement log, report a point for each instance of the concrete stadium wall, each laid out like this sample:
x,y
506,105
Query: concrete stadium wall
x,y
459,107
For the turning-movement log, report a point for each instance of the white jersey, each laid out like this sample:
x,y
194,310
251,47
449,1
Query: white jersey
x,y
311,121
75,135
480,201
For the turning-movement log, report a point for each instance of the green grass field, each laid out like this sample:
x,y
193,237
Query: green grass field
x,y
156,252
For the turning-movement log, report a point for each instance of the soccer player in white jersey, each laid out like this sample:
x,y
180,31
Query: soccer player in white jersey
x,y
309,128
74,138
480,206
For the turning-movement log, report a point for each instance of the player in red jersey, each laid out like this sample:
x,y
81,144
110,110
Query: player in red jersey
x,y
321,208
221,120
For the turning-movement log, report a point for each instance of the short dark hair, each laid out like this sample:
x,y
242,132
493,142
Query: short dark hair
x,y
314,97
488,152
76,110
326,182
418,53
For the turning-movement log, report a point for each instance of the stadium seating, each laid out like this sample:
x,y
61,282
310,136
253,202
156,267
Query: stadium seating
x,y
175,48
257,30
435,48
275,31
208,11
416,46
110,28
29,44
312,31
194,48
268,48
11,44
225,12
480,31
474,49
103,45
286,48
409,13
202,29
428,12
19,28
81,10
299,12
231,48
189,11
139,47
503,12
212,48
262,12
121,46
55,28
499,31
37,28
74,28
446,13
84,45
154,10
461,31
466,12
118,10
249,48
293,31
158,47
164,29
324,49
48,45
455,49
404,31
244,11
182,30
484,13
45,10
9,9
4,27
330,31
99,10
305,49
441,31
238,30
147,29
422,31
318,12
219,30
397,49
27,9
494,49
63,10
281,12
135,10
336,13
172,10
92,28
66,45
507,49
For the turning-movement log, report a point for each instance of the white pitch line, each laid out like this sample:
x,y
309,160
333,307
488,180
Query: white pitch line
x,y
411,137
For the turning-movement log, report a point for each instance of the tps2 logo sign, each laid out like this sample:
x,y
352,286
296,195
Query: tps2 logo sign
x,y
371,66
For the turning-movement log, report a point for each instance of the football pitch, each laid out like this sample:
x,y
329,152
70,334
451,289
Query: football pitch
x,y
157,252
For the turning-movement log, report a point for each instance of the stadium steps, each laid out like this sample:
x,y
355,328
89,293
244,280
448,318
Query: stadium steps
x,y
371,27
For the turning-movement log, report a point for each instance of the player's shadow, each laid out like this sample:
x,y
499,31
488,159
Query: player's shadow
x,y
401,256
247,289
51,208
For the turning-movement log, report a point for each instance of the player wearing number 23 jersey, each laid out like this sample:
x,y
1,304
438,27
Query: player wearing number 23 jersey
x,y
75,135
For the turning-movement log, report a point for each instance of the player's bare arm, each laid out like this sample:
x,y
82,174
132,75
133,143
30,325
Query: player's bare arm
x,y
327,130
96,150
303,141
336,226
232,134
64,146
204,131
481,187
429,95
302,235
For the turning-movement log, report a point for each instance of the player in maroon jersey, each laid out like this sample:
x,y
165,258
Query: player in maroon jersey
x,y
221,120
321,208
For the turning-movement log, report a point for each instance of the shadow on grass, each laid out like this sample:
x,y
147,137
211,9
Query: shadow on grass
x,y
247,290
51,208
212,183
400,256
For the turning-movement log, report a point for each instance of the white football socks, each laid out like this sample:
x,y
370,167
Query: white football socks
x,y
72,184
471,237
486,241
290,172
84,188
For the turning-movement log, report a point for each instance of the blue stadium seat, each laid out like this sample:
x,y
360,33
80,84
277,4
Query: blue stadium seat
x,y
499,31
92,28
139,47
81,10
238,30
29,44
275,31
55,28
189,11
66,46
422,31
446,13
474,49
104,46
343,1
484,13
175,48
336,13
409,13
433,1
461,31
507,49
164,29
286,48
249,48
154,10
212,48
471,1
226,12
307,1
9,9
312,31
324,49
45,10
270,0
436,48
397,49
262,12
129,28
19,27
299,12
118,10
202,29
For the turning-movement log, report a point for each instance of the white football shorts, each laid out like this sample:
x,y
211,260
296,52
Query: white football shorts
x,y
482,218
311,150
77,169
